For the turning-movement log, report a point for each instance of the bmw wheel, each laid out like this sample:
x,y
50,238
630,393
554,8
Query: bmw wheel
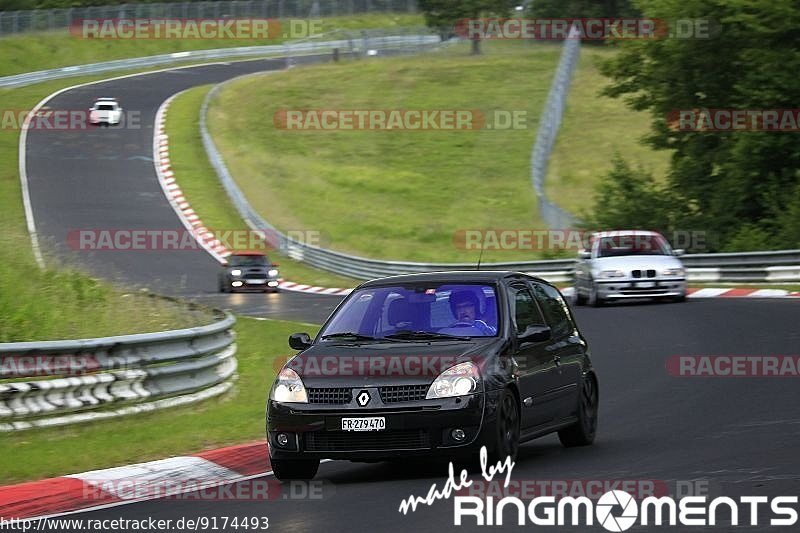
x,y
577,297
594,299
582,433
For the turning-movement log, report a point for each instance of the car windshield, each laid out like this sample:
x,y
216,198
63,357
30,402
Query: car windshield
x,y
633,244
105,107
247,260
429,311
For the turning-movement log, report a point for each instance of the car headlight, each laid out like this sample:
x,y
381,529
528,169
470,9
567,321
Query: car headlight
x,y
457,380
611,274
288,388
273,272
236,272
673,272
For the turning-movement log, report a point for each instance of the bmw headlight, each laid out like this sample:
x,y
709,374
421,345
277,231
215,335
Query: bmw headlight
x,y
611,274
273,272
288,388
673,272
457,380
236,272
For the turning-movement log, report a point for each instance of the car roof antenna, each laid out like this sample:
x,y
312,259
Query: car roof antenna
x,y
480,256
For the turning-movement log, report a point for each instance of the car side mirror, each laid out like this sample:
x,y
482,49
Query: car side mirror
x,y
299,341
679,251
583,254
535,334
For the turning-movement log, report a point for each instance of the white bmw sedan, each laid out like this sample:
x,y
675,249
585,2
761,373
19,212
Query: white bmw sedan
x,y
628,264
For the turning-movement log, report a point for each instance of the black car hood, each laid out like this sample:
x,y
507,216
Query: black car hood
x,y
349,364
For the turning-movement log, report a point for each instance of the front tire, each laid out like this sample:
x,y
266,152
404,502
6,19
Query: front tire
x,y
288,469
594,299
507,429
582,432
578,298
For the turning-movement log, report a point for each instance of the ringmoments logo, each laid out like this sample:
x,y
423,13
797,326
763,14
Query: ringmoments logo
x,y
615,509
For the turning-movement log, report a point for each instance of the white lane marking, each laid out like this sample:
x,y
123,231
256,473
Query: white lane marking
x,y
708,293
158,478
128,502
768,293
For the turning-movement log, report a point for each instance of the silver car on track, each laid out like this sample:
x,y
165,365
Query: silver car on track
x,y
628,264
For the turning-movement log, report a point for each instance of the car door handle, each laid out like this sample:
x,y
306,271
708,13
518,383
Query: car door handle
x,y
557,360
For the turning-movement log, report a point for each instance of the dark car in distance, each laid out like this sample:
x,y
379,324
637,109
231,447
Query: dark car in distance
x,y
435,364
248,271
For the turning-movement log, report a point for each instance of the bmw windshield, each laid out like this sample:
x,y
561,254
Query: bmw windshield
x,y
633,244
421,312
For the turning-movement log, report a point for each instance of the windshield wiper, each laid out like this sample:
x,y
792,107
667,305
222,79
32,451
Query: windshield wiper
x,y
409,334
349,334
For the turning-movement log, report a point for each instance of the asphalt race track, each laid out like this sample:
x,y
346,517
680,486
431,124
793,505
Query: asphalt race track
x,y
104,179
735,436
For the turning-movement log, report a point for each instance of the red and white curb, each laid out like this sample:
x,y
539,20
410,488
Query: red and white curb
x,y
187,215
725,292
208,472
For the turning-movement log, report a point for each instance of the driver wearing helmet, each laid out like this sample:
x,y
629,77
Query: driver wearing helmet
x,y
465,306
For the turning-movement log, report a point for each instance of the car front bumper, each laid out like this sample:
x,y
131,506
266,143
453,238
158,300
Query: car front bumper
x,y
627,288
254,284
420,428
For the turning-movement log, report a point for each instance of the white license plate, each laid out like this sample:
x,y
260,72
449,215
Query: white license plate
x,y
256,281
372,423
646,284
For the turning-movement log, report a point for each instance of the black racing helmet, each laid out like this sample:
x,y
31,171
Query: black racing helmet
x,y
463,296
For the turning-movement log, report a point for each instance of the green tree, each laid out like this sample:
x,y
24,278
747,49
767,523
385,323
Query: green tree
x,y
446,15
739,184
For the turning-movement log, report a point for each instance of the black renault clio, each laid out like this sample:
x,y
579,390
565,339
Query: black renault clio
x,y
428,364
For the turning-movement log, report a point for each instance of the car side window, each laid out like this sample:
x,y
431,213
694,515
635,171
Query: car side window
x,y
554,308
525,311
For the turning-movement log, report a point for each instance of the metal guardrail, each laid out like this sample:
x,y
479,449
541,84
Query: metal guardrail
x,y
553,215
88,379
357,41
12,22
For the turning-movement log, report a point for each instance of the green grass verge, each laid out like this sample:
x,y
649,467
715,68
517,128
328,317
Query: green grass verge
x,y
202,188
232,418
44,50
398,195
594,127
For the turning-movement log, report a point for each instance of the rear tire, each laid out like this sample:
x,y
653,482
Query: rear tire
x,y
582,432
288,469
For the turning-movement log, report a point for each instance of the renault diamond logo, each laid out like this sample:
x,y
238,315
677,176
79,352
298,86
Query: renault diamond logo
x,y
363,398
